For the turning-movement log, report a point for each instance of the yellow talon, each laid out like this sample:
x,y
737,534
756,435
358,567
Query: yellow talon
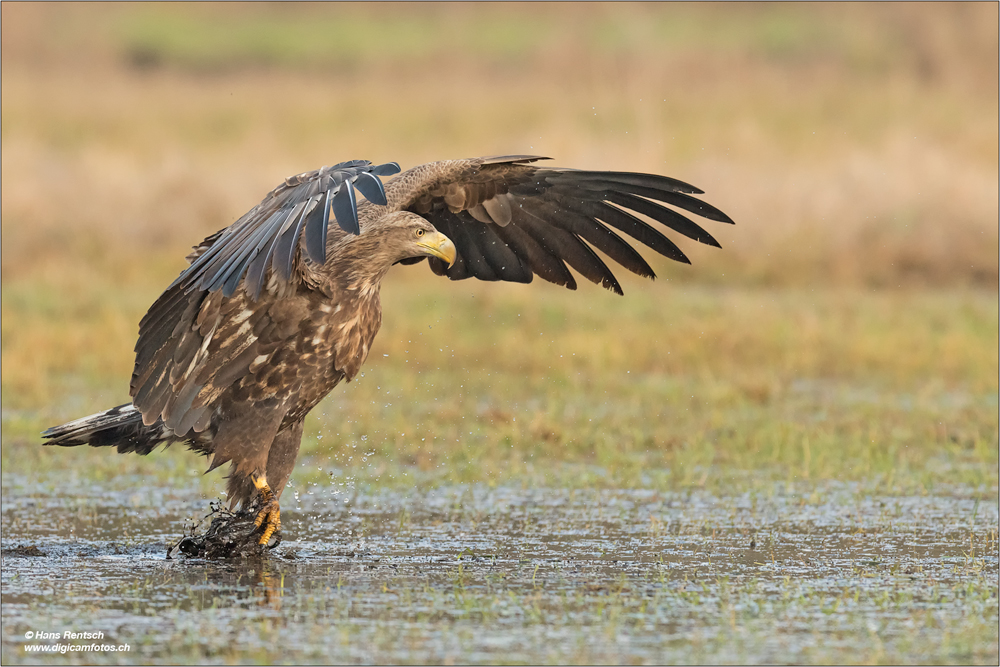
x,y
268,510
271,527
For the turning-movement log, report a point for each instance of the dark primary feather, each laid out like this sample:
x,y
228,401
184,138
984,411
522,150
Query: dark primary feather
x,y
268,235
345,206
510,219
371,188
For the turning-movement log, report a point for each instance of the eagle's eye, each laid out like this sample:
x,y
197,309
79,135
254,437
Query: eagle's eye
x,y
420,232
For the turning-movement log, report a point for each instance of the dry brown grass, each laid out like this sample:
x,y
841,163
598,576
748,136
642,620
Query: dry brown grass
x,y
852,144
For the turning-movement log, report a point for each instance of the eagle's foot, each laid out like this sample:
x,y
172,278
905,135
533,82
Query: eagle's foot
x,y
269,515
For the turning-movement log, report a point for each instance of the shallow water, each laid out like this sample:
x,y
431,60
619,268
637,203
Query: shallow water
x,y
477,574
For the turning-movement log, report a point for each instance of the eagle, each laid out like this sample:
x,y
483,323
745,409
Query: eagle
x,y
281,306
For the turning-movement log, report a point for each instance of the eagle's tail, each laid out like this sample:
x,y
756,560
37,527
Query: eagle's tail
x,y
120,427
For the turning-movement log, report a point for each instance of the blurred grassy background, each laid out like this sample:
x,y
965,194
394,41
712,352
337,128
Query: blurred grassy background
x,y
855,145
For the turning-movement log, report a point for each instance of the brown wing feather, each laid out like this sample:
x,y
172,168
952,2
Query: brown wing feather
x,y
193,346
548,218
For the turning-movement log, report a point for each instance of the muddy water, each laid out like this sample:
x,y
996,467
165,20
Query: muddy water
x,y
474,574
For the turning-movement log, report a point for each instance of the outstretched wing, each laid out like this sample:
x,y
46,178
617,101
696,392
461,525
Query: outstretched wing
x,y
510,219
268,235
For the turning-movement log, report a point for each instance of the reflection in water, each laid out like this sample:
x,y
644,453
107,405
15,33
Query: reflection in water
x,y
271,586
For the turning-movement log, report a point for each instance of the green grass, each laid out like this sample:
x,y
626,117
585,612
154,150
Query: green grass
x,y
670,386
213,38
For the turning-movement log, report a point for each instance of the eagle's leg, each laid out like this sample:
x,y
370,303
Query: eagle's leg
x,y
269,510
280,463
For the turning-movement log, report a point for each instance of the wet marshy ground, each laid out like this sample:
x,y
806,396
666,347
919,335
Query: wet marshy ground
x,y
473,574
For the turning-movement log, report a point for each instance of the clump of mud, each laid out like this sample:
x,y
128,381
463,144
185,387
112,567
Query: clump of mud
x,y
229,535
21,550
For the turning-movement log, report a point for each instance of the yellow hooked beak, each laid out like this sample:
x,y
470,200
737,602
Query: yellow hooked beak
x,y
438,245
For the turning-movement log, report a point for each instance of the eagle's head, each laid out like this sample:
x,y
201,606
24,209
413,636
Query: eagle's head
x,y
403,235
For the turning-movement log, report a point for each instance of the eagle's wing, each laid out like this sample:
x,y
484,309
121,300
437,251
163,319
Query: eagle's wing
x,y
202,336
510,219
193,346
269,234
